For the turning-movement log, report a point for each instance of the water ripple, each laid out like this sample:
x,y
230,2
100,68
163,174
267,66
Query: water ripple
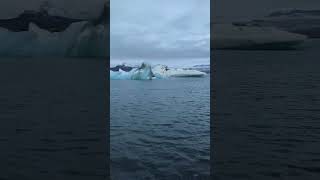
x,y
160,129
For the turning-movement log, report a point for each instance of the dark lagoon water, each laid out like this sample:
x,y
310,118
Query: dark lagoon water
x,y
160,129
267,117
52,115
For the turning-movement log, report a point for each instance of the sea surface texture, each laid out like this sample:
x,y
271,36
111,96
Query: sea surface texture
x,y
52,115
267,117
160,129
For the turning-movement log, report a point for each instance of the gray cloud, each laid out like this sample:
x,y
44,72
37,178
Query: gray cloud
x,y
160,29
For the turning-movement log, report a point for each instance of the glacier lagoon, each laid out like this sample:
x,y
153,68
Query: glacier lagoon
x,y
160,129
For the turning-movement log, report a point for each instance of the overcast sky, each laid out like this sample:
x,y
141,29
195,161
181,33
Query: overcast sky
x,y
73,8
149,29
153,29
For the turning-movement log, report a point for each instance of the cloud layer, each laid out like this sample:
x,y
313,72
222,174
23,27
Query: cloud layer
x,y
160,29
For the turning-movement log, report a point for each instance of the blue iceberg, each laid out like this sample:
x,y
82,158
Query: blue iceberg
x,y
148,72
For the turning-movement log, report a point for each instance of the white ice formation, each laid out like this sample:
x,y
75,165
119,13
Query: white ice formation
x,y
147,72
144,72
162,71
81,39
228,36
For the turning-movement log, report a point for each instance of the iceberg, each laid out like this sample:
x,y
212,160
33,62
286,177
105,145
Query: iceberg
x,y
90,42
305,22
244,37
162,71
80,39
147,72
202,68
120,75
37,34
144,72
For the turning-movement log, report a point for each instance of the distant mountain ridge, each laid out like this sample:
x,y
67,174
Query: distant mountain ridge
x,y
41,18
123,67
46,21
294,12
50,32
